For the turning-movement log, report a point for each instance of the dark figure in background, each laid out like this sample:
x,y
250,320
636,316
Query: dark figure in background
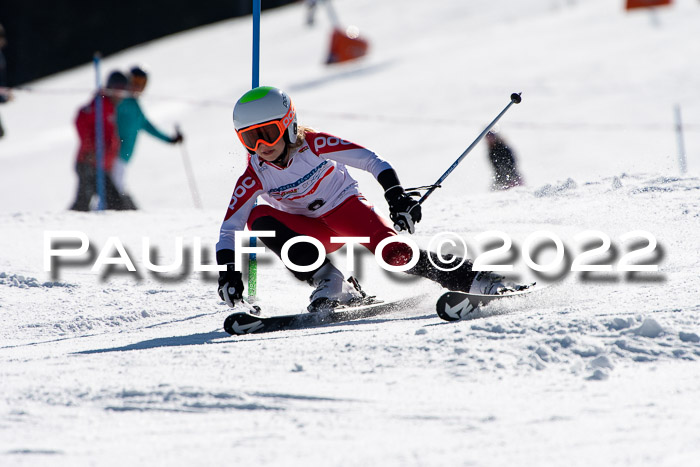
x,y
4,94
506,173
86,164
310,11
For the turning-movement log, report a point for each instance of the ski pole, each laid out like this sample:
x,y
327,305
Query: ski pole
x,y
514,99
190,175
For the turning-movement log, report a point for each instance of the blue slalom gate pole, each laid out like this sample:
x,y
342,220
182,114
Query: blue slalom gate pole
x,y
99,137
256,43
253,258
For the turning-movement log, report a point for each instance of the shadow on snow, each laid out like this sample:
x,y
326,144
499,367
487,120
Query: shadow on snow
x,y
174,341
211,337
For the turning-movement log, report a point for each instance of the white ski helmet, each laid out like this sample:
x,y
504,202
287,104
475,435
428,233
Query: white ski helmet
x,y
265,104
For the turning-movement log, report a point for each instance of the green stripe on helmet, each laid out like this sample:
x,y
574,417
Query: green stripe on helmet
x,y
255,94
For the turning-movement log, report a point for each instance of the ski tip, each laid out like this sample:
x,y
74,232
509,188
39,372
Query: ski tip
x,y
453,306
238,324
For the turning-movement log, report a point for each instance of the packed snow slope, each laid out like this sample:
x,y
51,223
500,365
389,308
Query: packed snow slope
x,y
110,367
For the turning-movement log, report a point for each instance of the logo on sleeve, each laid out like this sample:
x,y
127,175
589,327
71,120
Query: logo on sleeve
x,y
241,194
324,143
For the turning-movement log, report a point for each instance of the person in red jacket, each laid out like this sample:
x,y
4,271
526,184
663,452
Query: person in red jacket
x,y
86,163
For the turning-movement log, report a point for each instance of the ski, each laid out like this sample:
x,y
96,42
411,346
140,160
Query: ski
x,y
242,322
454,306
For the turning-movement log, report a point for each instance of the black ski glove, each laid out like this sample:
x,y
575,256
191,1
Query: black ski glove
x,y
404,211
230,280
230,285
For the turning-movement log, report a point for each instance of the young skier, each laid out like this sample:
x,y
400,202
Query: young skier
x,y
302,174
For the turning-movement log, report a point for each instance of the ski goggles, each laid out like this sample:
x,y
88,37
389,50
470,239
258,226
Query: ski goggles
x,y
268,133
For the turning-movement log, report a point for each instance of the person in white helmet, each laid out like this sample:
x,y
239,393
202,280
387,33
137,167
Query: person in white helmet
x,y
302,174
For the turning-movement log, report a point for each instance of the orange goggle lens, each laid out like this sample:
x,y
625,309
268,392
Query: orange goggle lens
x,y
268,133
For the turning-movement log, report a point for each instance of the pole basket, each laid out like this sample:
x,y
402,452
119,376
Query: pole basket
x,y
634,4
346,45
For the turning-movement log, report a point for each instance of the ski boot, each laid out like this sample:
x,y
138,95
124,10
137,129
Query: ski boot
x,y
489,283
332,290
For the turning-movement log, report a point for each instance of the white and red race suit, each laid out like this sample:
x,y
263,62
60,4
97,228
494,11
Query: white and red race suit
x,y
315,182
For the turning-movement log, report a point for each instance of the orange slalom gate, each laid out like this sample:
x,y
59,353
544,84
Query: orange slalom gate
x,y
344,47
632,4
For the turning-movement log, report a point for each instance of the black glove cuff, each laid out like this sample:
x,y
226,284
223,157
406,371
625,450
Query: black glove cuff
x,y
388,179
394,194
225,257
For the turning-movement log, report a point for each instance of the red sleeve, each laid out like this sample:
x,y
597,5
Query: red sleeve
x,y
323,143
242,201
247,187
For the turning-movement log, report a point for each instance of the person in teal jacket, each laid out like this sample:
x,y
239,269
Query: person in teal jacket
x,y
130,121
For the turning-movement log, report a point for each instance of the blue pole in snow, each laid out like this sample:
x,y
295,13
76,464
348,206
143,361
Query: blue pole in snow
x,y
253,259
256,43
99,136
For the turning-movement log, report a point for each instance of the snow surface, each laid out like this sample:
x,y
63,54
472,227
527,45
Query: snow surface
x,y
113,368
